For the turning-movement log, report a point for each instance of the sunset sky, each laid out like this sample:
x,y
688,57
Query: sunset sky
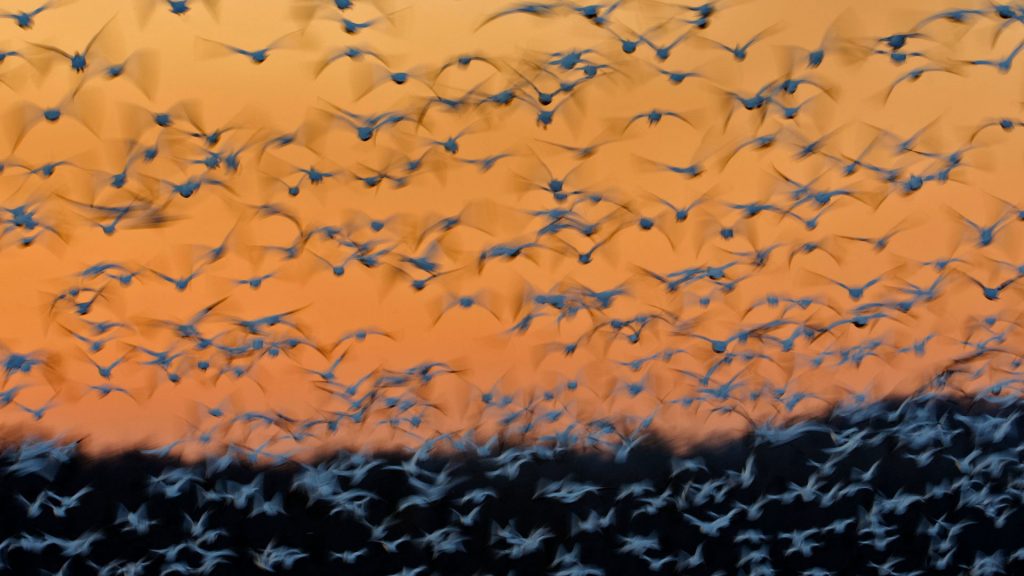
x,y
178,67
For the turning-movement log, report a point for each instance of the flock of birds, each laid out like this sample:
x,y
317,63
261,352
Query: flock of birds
x,y
734,321
673,224
922,486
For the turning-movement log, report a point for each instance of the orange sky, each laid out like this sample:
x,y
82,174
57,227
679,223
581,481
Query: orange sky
x,y
279,95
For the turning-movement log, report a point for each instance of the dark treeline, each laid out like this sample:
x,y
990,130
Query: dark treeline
x,y
922,485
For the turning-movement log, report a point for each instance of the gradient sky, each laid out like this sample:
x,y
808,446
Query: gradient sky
x,y
280,95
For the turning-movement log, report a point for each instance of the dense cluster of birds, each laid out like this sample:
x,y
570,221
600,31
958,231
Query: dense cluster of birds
x,y
729,323
704,337
922,486
525,262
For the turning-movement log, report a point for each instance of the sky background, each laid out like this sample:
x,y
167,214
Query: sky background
x,y
282,93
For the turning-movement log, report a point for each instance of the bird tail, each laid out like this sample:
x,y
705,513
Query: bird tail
x,y
574,526
122,514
